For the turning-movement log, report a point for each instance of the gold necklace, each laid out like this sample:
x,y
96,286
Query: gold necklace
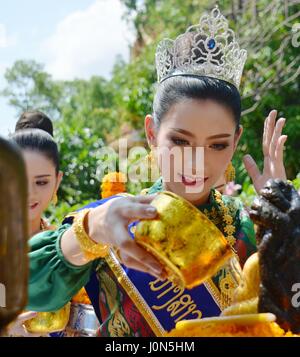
x,y
229,228
226,283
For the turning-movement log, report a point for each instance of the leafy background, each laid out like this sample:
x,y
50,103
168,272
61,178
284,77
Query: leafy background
x,y
90,114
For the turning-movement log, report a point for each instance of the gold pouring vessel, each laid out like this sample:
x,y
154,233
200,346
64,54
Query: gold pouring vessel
x,y
189,246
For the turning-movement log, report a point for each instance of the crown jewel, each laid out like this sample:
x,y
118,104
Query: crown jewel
x,y
207,49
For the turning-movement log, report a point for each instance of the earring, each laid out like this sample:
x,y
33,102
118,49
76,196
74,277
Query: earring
x,y
151,164
229,173
149,156
54,199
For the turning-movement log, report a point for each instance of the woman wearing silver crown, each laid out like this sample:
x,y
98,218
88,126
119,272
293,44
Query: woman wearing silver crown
x,y
196,105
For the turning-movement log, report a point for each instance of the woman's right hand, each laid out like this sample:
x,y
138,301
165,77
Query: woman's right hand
x,y
108,224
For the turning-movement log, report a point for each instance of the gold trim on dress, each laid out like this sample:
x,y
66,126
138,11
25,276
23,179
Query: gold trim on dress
x,y
134,294
214,292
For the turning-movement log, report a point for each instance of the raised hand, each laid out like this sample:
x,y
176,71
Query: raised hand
x,y
273,145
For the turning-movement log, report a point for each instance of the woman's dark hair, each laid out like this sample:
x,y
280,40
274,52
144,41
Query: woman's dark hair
x,y
34,120
177,88
40,141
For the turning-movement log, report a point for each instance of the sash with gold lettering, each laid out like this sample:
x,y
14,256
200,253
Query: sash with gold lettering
x,y
162,303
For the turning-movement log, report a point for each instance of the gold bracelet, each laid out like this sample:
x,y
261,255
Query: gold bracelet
x,y
90,249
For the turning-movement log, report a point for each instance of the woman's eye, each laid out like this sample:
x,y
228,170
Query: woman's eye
x,y
180,142
219,147
41,183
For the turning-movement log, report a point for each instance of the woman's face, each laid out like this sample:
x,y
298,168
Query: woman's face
x,y
43,182
191,124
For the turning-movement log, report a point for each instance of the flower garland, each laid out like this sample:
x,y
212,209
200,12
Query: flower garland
x,y
81,297
112,184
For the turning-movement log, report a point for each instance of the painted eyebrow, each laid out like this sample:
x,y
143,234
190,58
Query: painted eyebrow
x,y
185,132
40,176
219,136
188,133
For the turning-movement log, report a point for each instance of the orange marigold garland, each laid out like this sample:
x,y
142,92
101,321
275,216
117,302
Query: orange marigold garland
x,y
112,184
81,297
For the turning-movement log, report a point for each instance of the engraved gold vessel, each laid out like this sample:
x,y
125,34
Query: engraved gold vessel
x,y
47,322
190,246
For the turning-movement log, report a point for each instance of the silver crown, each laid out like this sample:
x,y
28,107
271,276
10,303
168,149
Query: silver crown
x,y
208,49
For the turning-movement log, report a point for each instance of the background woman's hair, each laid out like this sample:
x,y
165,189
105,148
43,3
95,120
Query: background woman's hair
x,y
39,141
34,120
177,88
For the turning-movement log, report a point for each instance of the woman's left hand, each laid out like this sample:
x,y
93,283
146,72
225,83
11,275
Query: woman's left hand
x,y
273,146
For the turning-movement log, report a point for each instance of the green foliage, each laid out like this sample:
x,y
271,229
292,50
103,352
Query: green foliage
x,y
296,182
56,214
79,150
248,193
133,88
30,87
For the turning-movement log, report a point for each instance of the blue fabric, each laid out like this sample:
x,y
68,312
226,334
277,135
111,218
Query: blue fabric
x,y
92,289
